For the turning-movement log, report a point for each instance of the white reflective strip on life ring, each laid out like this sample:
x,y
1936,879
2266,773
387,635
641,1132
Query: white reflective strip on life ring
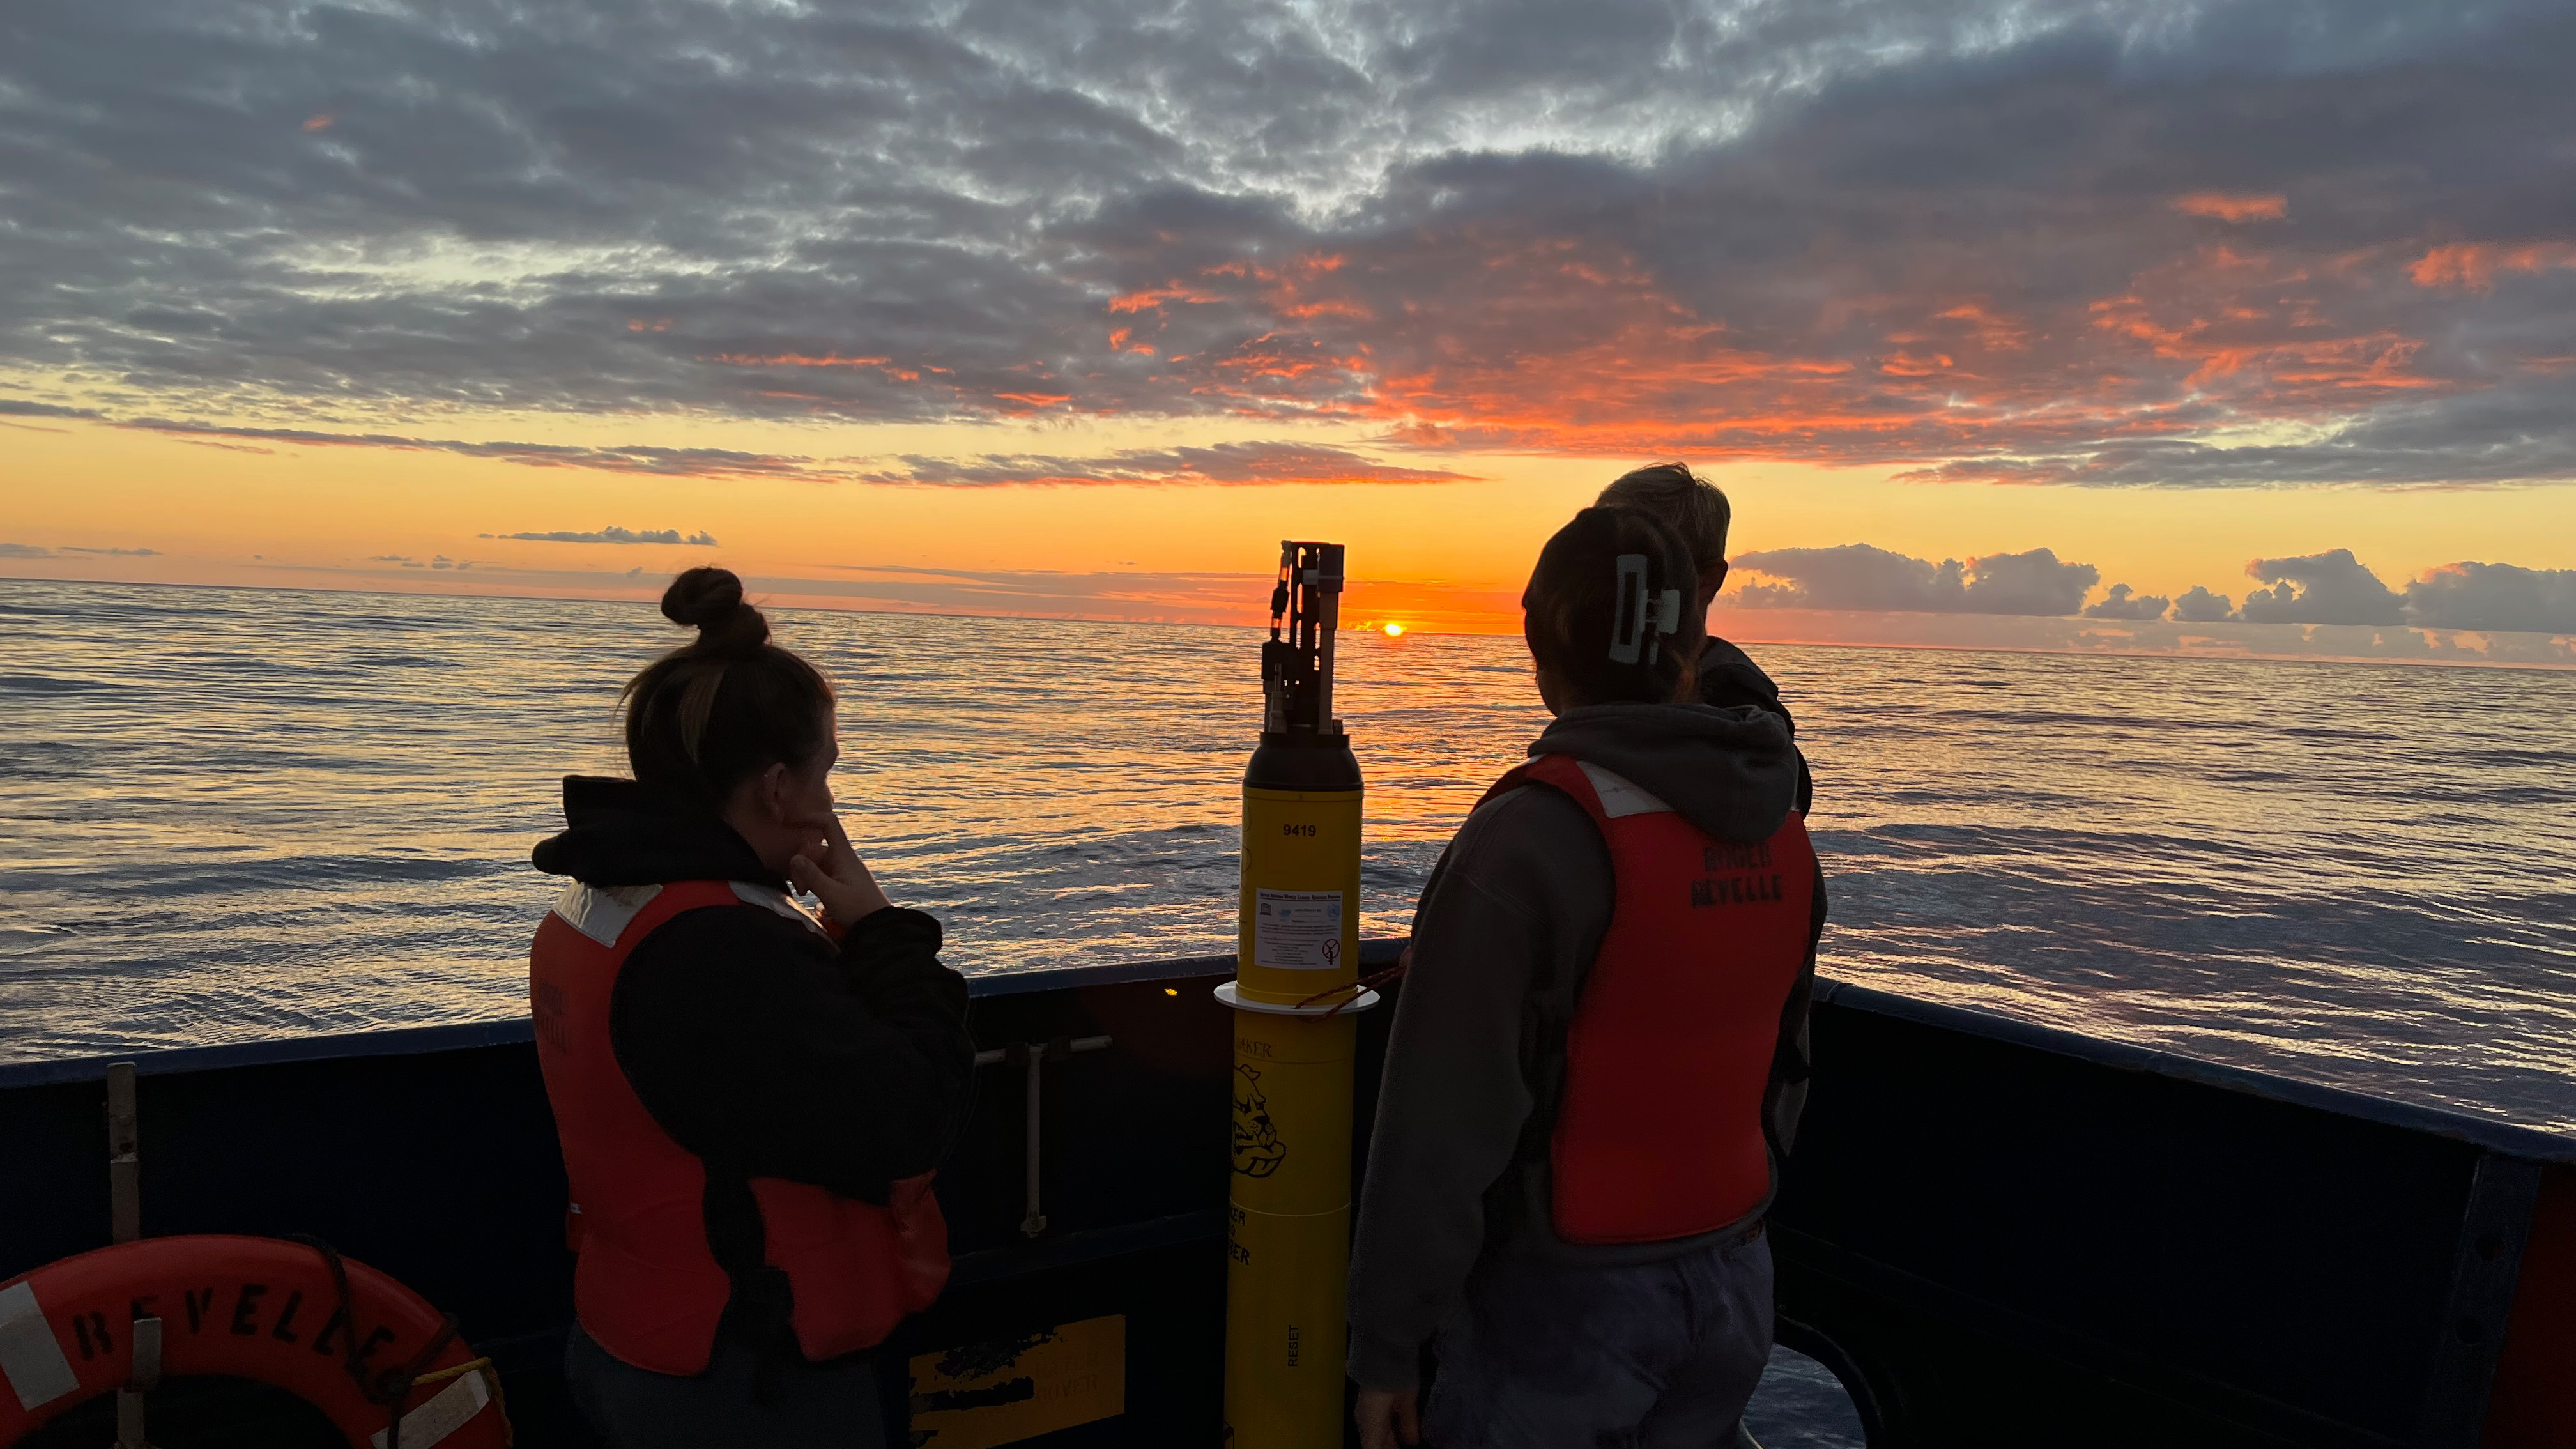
x,y
446,1412
30,1357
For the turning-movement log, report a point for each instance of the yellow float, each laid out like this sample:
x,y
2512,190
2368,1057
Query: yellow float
x,y
1297,959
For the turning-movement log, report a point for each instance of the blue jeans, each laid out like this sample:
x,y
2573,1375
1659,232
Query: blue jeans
x,y
823,1406
1661,1355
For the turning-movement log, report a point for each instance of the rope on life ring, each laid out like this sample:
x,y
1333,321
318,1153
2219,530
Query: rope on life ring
x,y
380,1362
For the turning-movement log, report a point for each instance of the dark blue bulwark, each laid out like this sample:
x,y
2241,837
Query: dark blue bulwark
x,y
2000,1234
2014,1235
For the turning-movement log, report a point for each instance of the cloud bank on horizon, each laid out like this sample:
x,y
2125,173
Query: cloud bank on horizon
x,y
2331,588
2172,244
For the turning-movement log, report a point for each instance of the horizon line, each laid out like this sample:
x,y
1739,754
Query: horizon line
x,y
1410,631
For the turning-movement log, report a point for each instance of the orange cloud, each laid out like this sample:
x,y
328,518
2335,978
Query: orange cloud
x,y
2225,207
1563,343
1566,345
1150,297
2475,265
1994,331
318,123
2201,310
1505,334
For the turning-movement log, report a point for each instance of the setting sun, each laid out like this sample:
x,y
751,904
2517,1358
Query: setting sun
x,y
1395,631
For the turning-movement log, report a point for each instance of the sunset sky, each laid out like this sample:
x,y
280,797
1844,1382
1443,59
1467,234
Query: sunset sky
x,y
1079,306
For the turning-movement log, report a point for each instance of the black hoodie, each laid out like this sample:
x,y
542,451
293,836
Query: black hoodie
x,y
757,1044
1505,933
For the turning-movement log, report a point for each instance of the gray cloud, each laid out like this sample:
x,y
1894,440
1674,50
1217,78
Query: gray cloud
x,y
2124,603
2513,429
2199,606
614,534
1878,230
668,462
2320,588
2494,596
1242,464
1858,576
1222,463
30,550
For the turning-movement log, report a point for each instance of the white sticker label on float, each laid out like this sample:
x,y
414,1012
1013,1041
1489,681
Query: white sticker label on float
x,y
1297,930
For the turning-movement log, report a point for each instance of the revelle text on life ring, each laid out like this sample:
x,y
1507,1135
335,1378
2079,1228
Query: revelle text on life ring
x,y
254,1308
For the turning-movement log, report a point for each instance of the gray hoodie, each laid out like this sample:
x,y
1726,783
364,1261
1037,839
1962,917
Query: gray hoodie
x,y
1506,930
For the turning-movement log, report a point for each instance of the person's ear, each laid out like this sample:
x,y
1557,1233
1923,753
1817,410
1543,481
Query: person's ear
x,y
775,788
1711,579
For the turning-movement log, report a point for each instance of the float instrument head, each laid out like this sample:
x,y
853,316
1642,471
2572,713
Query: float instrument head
x,y
1297,662
1301,797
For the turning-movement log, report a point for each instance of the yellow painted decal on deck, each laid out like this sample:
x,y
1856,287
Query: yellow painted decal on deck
x,y
1004,1390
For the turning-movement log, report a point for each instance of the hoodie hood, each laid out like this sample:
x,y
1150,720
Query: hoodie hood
x,y
619,833
1731,772
1729,677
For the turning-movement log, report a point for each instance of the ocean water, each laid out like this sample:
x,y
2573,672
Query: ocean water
x,y
232,814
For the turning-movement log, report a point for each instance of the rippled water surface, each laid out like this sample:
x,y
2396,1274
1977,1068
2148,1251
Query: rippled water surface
x,y
232,814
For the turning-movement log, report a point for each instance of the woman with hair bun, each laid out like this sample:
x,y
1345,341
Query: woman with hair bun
x,y
751,1096
1594,1070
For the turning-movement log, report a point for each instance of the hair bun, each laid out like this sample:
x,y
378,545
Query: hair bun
x,y
710,601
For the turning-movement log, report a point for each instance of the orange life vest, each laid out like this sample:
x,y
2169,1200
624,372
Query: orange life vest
x,y
1658,1130
647,1285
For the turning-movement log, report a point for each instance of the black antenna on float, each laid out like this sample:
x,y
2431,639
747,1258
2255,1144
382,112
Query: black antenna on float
x,y
1297,662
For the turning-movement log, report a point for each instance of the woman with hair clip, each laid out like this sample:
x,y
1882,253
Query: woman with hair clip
x,y
750,1096
1576,1137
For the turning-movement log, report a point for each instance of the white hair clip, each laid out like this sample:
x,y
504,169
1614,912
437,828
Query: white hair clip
x,y
1628,641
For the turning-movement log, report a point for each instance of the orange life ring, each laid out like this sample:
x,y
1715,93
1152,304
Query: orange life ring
x,y
253,1308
